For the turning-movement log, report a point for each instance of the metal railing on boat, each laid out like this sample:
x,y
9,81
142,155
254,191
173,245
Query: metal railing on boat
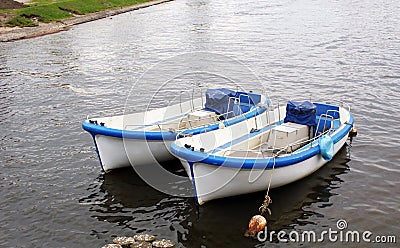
x,y
181,121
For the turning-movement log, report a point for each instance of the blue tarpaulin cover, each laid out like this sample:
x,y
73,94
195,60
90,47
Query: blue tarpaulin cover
x,y
301,113
217,100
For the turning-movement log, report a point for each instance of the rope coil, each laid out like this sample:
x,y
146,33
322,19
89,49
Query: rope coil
x,y
264,206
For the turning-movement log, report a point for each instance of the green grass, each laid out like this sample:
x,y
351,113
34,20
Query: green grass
x,y
49,11
21,21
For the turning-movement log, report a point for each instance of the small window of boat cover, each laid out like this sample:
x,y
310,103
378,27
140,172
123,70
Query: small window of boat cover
x,y
301,113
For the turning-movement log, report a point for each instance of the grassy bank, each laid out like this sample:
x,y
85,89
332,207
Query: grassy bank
x,y
55,10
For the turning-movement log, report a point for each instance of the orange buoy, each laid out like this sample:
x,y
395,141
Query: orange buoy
x,y
257,224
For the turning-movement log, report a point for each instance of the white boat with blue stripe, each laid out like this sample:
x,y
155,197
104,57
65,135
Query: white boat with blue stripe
x,y
144,138
275,148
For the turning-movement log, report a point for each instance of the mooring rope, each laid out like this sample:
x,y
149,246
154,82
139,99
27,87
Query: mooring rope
x,y
267,200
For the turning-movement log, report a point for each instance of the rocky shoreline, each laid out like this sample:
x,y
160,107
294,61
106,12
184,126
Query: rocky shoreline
x,y
11,34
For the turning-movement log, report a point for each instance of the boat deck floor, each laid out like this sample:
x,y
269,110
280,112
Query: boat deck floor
x,y
250,154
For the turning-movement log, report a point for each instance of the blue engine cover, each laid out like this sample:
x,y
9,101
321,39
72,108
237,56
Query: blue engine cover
x,y
217,100
301,113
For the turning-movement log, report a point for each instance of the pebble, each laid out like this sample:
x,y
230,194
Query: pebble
x,y
144,237
124,241
141,245
164,243
140,241
112,246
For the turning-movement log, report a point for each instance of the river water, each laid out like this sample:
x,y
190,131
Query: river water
x,y
53,193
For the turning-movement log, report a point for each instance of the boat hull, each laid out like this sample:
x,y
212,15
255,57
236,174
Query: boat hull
x,y
234,161
115,153
212,182
145,138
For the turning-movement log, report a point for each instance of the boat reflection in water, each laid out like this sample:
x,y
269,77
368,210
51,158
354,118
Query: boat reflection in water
x,y
128,201
124,200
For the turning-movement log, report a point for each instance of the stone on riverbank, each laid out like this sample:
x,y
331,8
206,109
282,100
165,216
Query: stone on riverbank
x,y
112,246
141,245
164,243
144,237
10,34
124,241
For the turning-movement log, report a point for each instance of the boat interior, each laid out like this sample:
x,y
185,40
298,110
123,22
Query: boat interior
x,y
217,105
278,137
220,108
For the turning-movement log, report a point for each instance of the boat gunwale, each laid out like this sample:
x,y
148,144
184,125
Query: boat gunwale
x,y
259,163
94,129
